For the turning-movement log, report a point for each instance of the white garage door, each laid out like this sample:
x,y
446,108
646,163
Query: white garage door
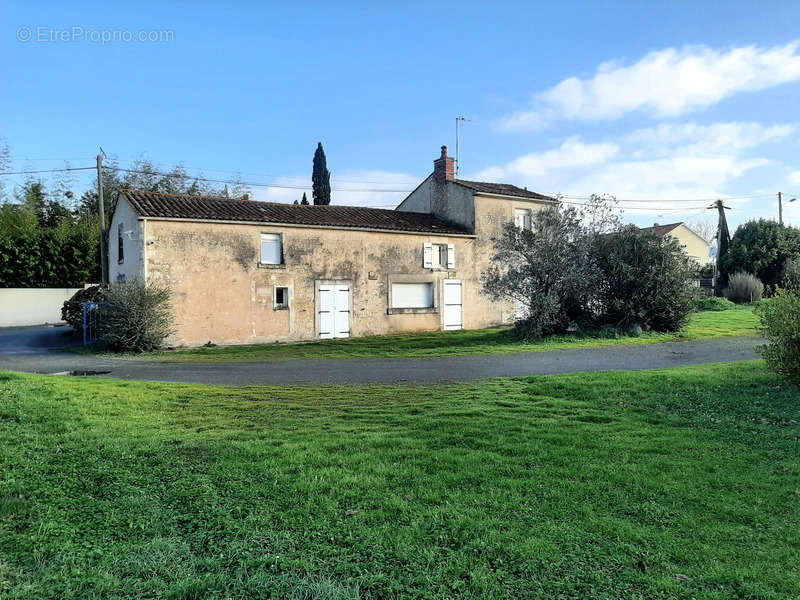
x,y
334,311
452,304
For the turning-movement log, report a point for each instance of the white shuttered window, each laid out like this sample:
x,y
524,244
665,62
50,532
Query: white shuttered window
x,y
271,252
412,295
438,256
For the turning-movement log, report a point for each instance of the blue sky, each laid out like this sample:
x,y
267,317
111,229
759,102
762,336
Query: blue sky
x,y
647,101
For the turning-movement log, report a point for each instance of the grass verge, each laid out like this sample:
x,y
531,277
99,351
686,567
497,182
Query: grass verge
x,y
672,483
703,325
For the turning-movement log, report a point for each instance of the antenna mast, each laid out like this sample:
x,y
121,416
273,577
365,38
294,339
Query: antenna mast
x,y
459,119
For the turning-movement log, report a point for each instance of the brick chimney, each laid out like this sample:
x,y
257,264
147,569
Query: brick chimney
x,y
444,167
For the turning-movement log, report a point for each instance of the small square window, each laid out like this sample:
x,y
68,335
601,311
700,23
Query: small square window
x,y
281,298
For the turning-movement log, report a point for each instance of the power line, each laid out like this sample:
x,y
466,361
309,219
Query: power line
x,y
49,159
47,171
567,199
252,183
724,198
202,169
684,209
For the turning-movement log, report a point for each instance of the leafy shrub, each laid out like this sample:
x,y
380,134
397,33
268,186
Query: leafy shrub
x,y
137,317
744,287
780,324
715,304
72,309
791,274
761,247
645,280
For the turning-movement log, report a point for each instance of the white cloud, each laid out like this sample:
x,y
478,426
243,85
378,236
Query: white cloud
x,y
703,140
665,162
572,153
665,83
346,185
794,178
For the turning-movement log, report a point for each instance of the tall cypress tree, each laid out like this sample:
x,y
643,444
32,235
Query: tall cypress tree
x,y
304,200
321,178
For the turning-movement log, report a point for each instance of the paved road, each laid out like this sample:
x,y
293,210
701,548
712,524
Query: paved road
x,y
35,340
42,358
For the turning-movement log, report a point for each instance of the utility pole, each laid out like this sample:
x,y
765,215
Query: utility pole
x,y
780,208
102,211
723,242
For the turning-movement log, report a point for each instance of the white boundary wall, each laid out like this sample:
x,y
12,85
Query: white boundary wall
x,y
32,306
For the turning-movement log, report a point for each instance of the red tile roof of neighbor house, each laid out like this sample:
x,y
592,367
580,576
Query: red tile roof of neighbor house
x,y
503,189
206,208
662,229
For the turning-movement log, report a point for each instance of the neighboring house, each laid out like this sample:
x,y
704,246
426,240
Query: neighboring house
x,y
695,246
245,272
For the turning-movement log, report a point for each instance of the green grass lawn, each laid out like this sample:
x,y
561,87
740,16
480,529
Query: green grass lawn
x,y
551,487
738,321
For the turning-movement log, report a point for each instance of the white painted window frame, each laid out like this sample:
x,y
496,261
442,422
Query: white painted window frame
x,y
270,236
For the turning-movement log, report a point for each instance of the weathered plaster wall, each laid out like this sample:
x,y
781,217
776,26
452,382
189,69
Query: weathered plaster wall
x,y
447,200
454,203
420,199
222,294
132,239
491,213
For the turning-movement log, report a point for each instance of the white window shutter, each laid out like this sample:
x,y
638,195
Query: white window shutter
x,y
518,219
451,256
427,255
271,251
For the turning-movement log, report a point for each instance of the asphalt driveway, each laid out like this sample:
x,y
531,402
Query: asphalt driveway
x,y
40,350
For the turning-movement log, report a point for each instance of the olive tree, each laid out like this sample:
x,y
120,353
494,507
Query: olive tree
x,y
547,271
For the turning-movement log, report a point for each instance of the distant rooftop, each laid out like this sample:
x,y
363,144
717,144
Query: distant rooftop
x,y
662,229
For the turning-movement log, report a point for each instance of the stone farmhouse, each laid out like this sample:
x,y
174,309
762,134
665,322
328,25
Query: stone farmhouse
x,y
253,272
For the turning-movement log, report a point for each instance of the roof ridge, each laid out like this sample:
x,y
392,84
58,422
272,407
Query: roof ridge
x,y
502,189
166,205
281,204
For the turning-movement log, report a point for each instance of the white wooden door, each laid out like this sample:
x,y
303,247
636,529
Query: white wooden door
x,y
451,302
334,311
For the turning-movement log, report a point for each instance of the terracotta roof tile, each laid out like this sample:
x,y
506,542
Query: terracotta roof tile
x,y
505,189
662,229
205,208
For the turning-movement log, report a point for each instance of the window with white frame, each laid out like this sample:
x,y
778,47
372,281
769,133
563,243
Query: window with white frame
x,y
412,295
439,256
120,244
271,249
523,218
281,298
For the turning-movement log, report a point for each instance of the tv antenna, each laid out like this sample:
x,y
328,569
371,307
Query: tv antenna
x,y
459,120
